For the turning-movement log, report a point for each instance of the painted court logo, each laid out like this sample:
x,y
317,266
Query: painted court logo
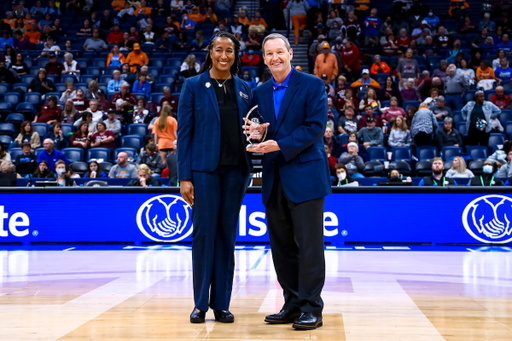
x,y
165,218
488,219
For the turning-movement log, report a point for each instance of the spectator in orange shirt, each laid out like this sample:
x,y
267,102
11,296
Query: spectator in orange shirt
x,y
118,5
136,58
242,18
28,21
32,34
326,63
379,66
116,36
484,71
10,20
258,15
250,59
143,9
115,58
210,16
196,16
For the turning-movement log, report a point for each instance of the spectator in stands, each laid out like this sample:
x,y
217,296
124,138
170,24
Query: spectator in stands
x,y
500,99
342,177
484,72
106,23
403,40
127,75
43,170
103,103
54,67
298,11
505,43
170,99
52,9
94,171
92,92
465,71
164,42
496,62
144,177
389,90
123,169
254,41
487,23
71,67
6,39
115,58
127,43
368,112
103,137
81,103
81,137
440,110
478,114
189,67
165,132
441,72
19,26
63,177
257,27
409,93
379,66
115,36
467,26
69,114
50,112
55,134
504,72
85,30
97,114
394,111
459,169
371,29
251,59
95,43
126,12
143,9
437,178
118,5
394,177
28,135
248,79
140,113
432,100
26,163
87,117
331,160
129,99
70,92
350,60
347,123
152,159
33,35
21,43
4,155
407,68
37,9
114,85
142,85
365,81
148,37
6,75
505,170
137,58
400,135
389,48
423,125
331,142
370,98
487,178
199,43
51,155
353,162
371,135
113,124
455,85
427,84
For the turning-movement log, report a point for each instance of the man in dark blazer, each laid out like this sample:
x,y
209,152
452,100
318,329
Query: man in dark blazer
x,y
295,181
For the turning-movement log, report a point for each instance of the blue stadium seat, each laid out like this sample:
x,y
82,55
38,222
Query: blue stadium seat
x,y
469,95
496,139
157,62
478,152
83,63
74,154
4,88
450,152
176,62
67,128
377,153
99,62
508,128
61,87
156,97
462,128
5,141
402,154
201,55
140,94
7,129
166,79
180,54
488,94
86,79
170,70
253,71
67,78
20,86
505,116
12,97
457,116
132,152
38,150
33,97
26,108
426,153
15,119
159,87
407,104
160,54
138,129
99,153
155,71
82,86
385,104
420,59
53,78
5,108
381,77
41,129
106,78
42,62
15,152
133,141
33,71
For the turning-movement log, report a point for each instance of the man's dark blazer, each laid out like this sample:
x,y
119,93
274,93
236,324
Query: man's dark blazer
x,y
199,124
298,130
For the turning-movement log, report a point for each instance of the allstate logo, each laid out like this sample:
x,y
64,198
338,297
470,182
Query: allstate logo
x,y
165,218
487,219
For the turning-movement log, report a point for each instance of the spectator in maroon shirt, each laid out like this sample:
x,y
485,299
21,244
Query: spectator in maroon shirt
x,y
81,137
129,99
81,103
50,112
368,112
103,138
103,103
500,99
170,99
350,60
54,67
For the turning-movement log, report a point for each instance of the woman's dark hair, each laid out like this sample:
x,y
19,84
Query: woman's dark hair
x,y
85,115
53,99
208,62
341,166
23,125
393,84
88,174
22,58
147,138
391,171
55,125
46,174
78,132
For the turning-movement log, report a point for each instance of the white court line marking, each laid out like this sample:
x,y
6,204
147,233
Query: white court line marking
x,y
396,248
71,248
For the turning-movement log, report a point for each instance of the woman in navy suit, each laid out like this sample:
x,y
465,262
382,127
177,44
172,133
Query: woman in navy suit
x,y
213,170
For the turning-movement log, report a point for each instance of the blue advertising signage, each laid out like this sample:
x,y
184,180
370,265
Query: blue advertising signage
x,y
158,216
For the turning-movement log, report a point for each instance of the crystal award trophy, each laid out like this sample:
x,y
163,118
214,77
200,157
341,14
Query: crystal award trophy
x,y
255,134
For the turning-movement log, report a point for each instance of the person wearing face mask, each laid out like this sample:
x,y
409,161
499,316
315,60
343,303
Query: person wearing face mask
x,y
342,177
394,177
248,79
487,178
432,19
63,179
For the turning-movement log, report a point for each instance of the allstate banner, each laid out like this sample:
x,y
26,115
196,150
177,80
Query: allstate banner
x,y
349,217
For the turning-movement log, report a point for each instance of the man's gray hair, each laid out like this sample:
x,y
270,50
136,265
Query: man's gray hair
x,y
125,84
377,55
440,98
167,89
276,36
443,61
426,72
68,55
448,120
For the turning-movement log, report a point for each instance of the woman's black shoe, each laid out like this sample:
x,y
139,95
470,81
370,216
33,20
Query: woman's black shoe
x,y
223,316
197,316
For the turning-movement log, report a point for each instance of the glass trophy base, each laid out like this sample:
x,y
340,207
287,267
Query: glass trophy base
x,y
252,146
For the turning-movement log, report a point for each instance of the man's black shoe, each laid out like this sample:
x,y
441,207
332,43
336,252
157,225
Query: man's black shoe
x,y
283,317
308,321
197,317
223,316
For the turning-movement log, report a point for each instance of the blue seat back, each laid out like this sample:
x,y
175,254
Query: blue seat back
x,y
496,139
133,141
99,153
426,153
377,153
478,152
74,154
41,129
450,152
138,129
402,154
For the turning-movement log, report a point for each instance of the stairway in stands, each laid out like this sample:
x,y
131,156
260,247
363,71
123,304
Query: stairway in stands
x,y
300,50
251,6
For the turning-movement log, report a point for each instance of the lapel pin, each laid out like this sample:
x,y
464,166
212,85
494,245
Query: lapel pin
x,y
243,95
208,84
